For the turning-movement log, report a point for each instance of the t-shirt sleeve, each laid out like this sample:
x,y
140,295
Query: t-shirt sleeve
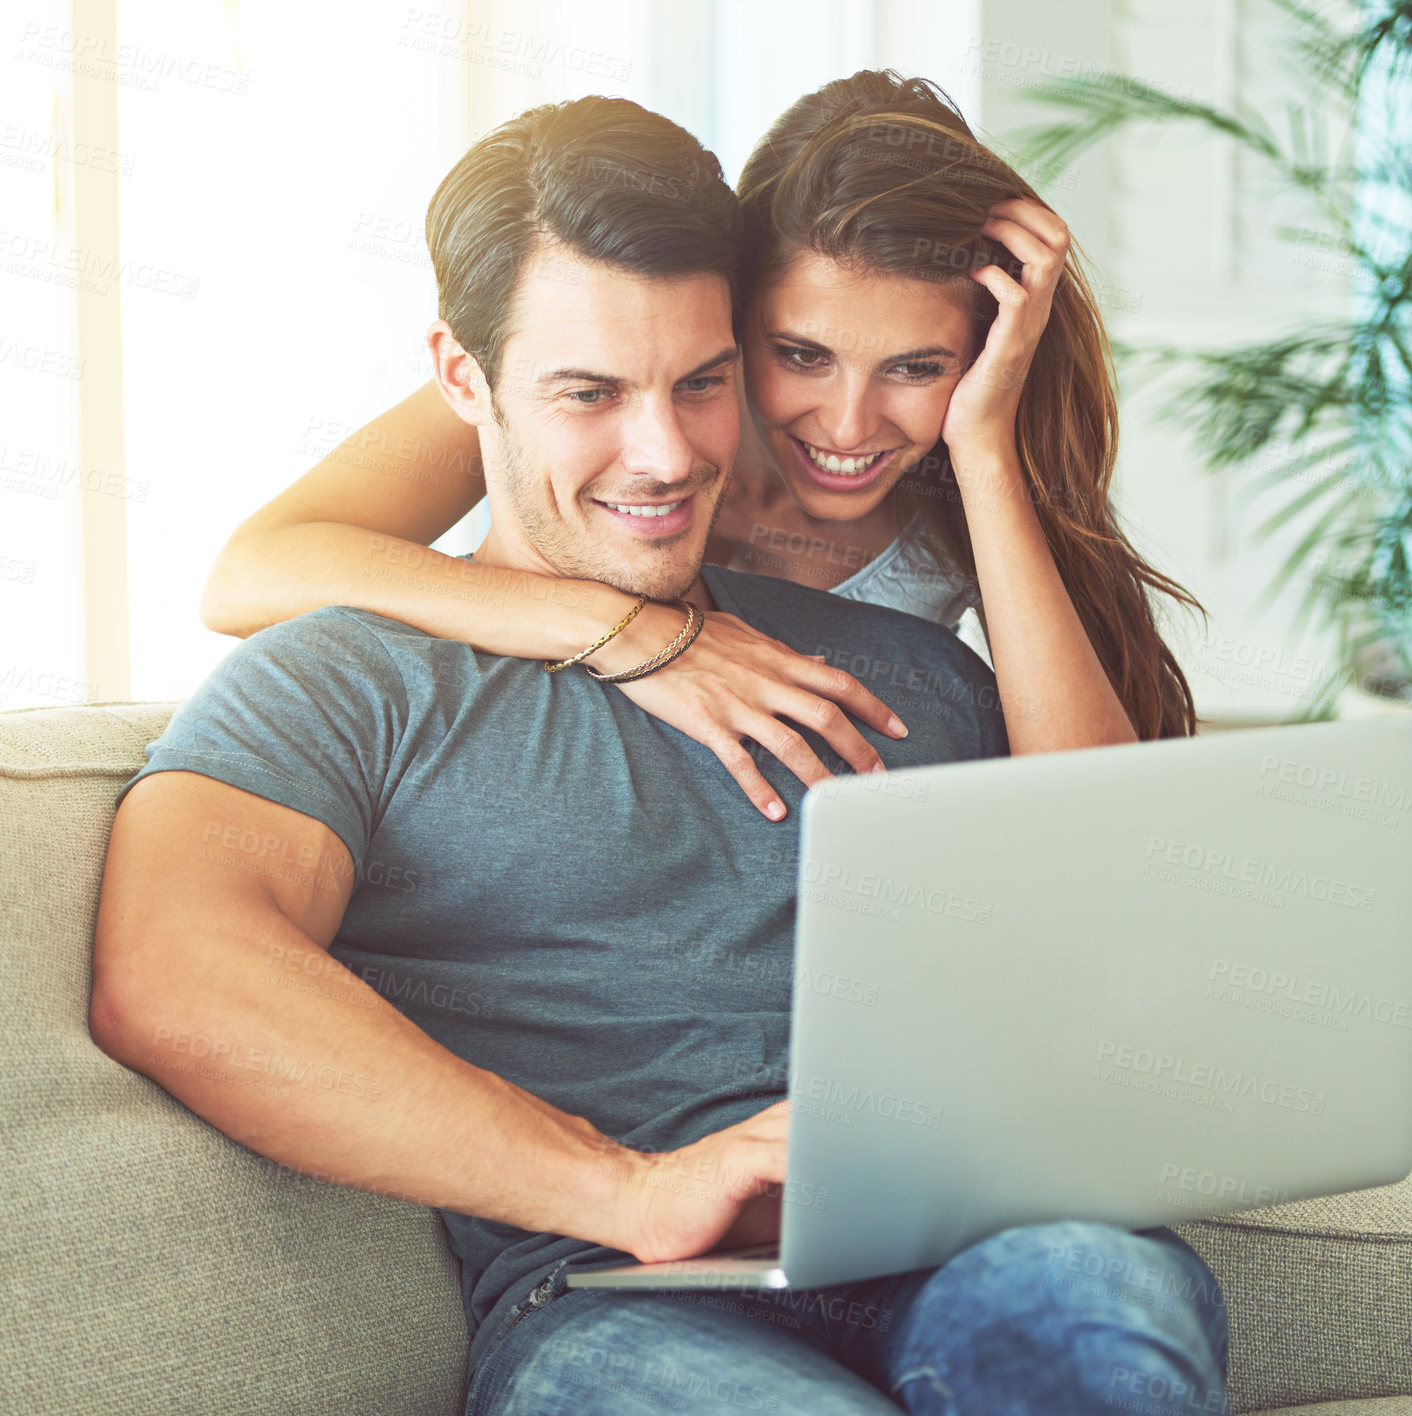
x,y
306,713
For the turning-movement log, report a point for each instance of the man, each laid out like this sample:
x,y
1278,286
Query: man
x,y
559,890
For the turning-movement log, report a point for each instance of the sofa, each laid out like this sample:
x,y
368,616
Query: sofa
x,y
150,1264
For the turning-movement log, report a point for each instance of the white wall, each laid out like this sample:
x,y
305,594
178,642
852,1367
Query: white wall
x,y
292,205
41,375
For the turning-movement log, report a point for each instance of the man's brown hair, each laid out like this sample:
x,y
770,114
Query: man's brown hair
x,y
605,178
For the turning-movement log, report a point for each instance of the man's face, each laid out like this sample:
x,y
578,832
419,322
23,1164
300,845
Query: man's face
x,y
616,424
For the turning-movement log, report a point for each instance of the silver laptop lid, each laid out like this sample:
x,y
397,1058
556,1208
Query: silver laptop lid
x,y
1135,984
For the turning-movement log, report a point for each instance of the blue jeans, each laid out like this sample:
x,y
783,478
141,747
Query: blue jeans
x,y
1044,1319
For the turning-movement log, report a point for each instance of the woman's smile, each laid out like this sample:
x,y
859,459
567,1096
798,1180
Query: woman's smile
x,y
849,374
838,471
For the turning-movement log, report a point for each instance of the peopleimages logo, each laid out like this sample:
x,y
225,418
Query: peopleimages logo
x,y
1231,981
869,885
1207,1184
1166,1073
850,1097
1330,779
1330,790
1213,869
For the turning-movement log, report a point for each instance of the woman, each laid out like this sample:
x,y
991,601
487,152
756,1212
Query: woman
x,y
929,423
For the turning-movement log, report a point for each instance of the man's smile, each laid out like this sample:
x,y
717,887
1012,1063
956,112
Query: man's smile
x,y
656,519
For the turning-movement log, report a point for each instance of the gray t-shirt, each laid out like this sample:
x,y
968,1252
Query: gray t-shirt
x,y
553,884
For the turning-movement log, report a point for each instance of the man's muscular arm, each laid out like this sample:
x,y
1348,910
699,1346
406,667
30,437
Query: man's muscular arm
x,y
209,894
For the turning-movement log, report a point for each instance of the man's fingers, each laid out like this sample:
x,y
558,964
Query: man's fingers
x,y
757,1223
775,1116
761,1165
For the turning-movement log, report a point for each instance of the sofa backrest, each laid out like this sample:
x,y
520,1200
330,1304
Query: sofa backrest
x,y
148,1262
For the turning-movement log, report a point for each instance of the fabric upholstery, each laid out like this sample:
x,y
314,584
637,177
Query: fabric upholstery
x,y
1319,1297
1374,1406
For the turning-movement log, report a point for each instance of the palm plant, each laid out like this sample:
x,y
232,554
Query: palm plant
x,y
1319,419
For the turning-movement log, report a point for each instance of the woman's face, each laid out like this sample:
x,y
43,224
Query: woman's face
x,y
848,376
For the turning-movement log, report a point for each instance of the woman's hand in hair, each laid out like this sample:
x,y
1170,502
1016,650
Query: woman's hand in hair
x,y
980,418
736,685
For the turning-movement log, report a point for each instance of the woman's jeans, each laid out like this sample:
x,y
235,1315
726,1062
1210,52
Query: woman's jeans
x,y
1043,1319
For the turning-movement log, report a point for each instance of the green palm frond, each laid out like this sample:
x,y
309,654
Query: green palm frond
x,y
1315,423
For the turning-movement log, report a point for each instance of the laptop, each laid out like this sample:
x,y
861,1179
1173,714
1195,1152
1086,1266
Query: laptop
x,y
1141,985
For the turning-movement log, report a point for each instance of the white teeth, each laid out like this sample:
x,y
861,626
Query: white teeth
x,y
644,510
847,466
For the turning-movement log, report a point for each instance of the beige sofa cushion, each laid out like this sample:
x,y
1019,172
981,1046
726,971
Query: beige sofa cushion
x,y
149,1263
1319,1296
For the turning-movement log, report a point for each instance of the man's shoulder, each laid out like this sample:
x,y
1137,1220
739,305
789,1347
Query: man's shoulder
x,y
337,650
920,669
793,613
772,595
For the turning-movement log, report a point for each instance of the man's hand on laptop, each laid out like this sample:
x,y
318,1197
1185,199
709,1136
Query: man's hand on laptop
x,y
719,1192
736,683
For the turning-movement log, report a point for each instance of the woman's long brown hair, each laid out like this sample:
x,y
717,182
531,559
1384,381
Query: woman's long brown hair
x,y
882,173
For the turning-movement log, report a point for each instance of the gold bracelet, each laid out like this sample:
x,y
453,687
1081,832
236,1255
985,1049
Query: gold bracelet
x,y
694,622
621,625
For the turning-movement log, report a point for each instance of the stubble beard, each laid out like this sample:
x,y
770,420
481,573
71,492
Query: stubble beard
x,y
660,574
